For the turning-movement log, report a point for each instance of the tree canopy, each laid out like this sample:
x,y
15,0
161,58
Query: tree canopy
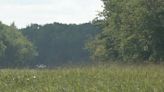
x,y
133,30
59,44
15,49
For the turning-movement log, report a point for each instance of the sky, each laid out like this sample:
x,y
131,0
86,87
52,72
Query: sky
x,y
26,12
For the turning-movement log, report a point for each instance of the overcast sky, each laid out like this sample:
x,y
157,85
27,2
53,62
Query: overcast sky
x,y
25,12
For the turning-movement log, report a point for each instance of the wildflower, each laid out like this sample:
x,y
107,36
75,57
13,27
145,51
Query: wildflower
x,y
34,77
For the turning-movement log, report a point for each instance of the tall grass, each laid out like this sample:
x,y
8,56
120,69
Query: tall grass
x,y
109,78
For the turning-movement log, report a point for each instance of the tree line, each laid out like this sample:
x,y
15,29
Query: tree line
x,y
60,44
50,44
125,31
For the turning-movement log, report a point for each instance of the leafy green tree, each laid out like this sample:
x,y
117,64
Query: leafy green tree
x,y
15,49
133,31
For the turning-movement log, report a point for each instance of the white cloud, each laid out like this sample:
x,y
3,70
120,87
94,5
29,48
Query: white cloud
x,y
48,11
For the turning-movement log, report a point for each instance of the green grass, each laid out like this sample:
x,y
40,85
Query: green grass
x,y
114,78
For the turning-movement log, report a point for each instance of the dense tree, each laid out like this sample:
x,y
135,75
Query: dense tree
x,y
133,31
15,49
59,44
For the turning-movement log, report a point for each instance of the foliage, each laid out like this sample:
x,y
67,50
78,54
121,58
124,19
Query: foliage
x,y
15,49
59,44
133,31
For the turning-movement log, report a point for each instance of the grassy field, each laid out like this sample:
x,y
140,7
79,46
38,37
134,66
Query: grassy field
x,y
114,78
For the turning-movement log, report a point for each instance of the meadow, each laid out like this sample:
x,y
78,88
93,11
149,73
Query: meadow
x,y
103,78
